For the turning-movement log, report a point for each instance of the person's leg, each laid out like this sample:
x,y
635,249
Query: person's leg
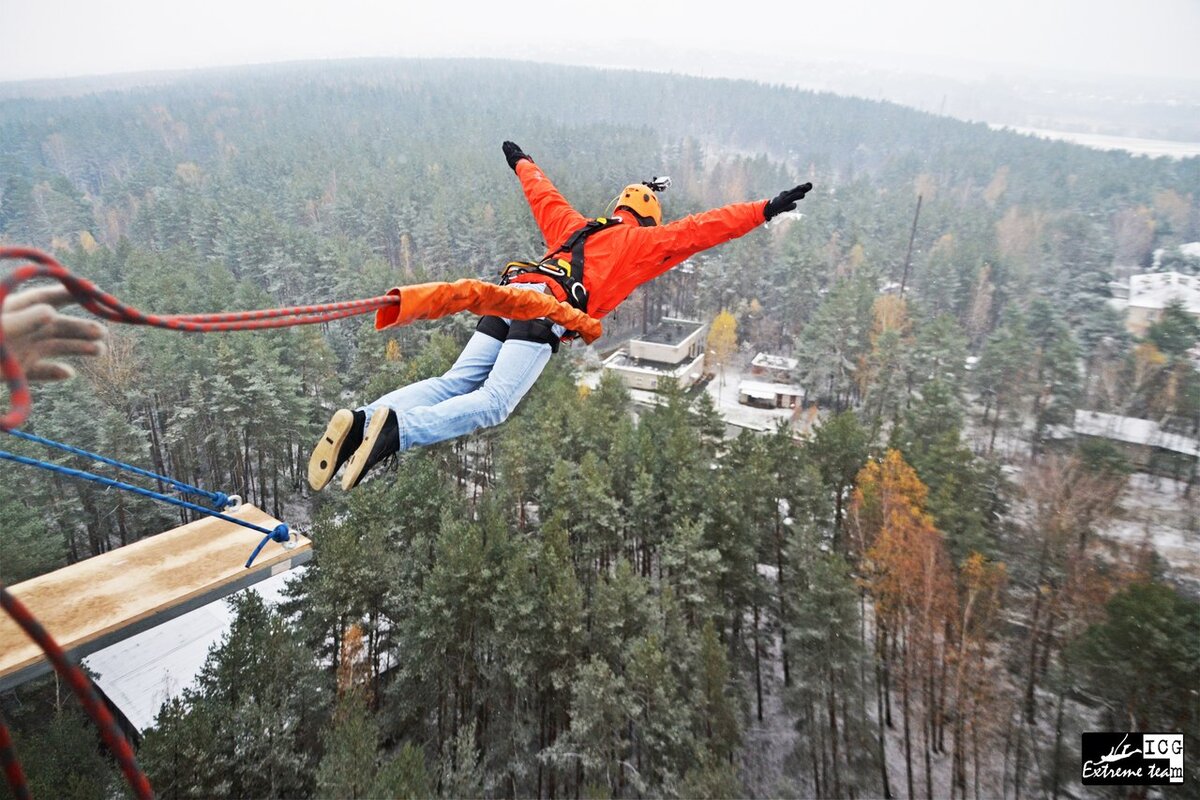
x,y
520,361
517,368
344,433
467,374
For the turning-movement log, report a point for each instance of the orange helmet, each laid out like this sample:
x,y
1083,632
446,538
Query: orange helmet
x,y
641,200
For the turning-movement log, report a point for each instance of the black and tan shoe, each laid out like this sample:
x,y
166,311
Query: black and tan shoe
x,y
341,438
381,440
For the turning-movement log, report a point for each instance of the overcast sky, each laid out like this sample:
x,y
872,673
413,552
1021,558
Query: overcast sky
x,y
60,38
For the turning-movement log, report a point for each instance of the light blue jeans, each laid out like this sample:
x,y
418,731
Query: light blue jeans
x,y
482,388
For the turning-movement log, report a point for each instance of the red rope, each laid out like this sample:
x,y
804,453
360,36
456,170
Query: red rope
x,y
105,306
82,685
13,774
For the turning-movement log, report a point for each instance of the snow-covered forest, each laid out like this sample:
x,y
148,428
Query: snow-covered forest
x,y
929,586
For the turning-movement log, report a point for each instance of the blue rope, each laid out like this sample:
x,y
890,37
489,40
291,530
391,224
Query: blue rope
x,y
220,499
280,533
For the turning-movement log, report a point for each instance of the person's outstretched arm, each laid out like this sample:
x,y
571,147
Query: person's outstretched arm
x,y
658,249
554,215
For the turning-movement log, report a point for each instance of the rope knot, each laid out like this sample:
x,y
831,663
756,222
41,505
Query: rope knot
x,y
281,534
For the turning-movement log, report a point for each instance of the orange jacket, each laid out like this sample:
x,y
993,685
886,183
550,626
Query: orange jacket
x,y
623,257
434,300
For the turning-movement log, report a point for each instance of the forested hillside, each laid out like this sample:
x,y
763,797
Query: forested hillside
x,y
913,600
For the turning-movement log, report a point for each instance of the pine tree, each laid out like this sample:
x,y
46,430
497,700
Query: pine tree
x,y
63,760
882,372
964,491
833,344
1002,374
1055,376
404,777
462,774
248,727
597,742
1176,331
349,764
839,448
837,743
1143,657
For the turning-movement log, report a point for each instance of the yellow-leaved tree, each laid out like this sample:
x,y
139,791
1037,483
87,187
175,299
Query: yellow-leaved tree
x,y
908,574
722,341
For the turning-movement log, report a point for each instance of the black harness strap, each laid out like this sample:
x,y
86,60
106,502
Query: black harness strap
x,y
494,327
568,274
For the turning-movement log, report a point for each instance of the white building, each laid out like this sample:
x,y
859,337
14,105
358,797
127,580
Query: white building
x,y
673,349
777,367
764,394
1151,292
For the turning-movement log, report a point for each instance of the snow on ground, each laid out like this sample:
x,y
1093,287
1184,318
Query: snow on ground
x,y
725,397
768,768
1155,510
767,745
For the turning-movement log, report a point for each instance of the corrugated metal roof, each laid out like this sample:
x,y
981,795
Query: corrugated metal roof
x,y
767,389
142,672
1133,431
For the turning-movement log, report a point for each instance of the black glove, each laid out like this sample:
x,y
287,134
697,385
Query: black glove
x,y
786,201
513,154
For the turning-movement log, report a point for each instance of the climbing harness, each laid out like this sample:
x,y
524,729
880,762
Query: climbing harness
x,y
567,274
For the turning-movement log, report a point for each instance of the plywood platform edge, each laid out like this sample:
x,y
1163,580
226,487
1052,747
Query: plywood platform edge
x,y
94,603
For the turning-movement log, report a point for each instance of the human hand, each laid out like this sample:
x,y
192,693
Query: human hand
x,y
513,154
34,331
786,200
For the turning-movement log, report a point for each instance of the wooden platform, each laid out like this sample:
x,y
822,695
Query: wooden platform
x,y
89,605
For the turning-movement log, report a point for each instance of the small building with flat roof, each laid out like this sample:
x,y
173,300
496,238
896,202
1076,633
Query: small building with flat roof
x,y
1146,445
140,673
766,394
1151,292
776,367
672,349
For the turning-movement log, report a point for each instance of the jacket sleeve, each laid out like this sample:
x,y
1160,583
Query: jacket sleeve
x,y
436,300
553,214
658,249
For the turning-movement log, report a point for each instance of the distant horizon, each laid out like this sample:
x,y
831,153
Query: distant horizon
x,y
1101,38
1014,101
919,66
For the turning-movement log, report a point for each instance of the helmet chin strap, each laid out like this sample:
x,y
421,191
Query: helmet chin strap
x,y
612,205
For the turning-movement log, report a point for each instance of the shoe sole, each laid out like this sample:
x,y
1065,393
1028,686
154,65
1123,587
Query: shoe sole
x,y
357,461
322,464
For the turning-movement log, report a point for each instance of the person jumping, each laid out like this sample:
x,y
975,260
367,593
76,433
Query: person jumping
x,y
503,358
